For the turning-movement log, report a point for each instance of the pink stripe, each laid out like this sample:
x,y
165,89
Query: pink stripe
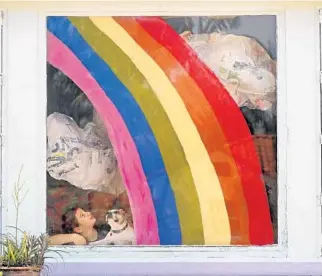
x,y
144,217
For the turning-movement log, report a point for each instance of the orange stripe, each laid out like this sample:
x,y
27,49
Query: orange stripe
x,y
207,125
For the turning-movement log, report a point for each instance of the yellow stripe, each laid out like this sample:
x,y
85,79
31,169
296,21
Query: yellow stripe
x,y
213,209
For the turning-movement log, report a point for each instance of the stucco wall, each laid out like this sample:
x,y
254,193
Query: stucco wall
x,y
25,81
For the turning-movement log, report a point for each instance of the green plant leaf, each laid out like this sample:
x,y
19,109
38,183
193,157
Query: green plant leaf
x,y
31,249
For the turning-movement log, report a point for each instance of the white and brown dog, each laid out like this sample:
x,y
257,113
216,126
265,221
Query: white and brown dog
x,y
121,232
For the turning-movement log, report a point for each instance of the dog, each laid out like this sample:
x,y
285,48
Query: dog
x,y
121,232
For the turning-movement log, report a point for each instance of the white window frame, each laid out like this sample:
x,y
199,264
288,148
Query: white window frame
x,y
25,141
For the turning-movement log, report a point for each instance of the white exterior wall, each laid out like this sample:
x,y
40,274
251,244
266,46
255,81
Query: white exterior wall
x,y
24,118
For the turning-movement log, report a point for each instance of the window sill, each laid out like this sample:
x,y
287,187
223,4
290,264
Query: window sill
x,y
168,254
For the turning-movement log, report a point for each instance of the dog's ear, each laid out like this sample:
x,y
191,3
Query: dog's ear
x,y
129,218
122,211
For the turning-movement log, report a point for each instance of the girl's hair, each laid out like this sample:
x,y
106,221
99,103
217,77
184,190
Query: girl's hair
x,y
69,220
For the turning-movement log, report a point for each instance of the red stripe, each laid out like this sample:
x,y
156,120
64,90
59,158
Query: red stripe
x,y
232,122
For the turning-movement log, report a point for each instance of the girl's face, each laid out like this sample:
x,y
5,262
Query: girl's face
x,y
85,220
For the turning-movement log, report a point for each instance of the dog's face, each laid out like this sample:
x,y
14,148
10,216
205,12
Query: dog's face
x,y
115,216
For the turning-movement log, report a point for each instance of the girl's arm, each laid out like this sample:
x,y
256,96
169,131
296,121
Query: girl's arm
x,y
60,239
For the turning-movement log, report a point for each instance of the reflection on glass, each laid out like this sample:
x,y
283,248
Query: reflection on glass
x,y
161,130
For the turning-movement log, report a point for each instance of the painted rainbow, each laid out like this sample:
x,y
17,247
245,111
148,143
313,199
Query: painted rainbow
x,y
184,149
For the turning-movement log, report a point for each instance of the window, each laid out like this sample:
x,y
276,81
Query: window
x,y
278,174
179,144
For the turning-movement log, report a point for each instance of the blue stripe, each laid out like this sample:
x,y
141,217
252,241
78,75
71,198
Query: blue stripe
x,y
153,166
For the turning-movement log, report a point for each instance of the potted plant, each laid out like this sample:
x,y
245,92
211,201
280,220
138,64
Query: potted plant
x,y
24,256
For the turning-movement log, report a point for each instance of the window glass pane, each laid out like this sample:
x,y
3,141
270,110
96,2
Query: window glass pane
x,y
162,130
